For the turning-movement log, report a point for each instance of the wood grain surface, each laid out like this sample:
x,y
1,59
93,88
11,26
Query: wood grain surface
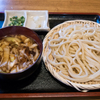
x,y
72,6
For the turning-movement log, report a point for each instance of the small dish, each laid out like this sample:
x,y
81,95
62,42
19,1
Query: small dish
x,y
11,13
37,20
34,19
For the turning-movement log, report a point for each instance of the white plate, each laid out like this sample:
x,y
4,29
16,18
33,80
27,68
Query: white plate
x,y
34,19
37,20
10,13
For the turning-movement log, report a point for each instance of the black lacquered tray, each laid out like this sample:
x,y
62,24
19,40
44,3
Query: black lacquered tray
x,y
42,81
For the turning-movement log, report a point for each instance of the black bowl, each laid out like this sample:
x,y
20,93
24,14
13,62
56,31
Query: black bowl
x,y
17,30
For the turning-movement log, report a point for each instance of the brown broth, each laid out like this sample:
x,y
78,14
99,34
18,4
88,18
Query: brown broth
x,y
17,52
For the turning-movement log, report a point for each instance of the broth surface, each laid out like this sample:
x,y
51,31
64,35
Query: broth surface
x,y
17,52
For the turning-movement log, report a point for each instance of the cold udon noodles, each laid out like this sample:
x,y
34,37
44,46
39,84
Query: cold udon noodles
x,y
17,52
74,53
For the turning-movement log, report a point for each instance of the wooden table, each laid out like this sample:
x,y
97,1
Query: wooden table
x,y
72,6
68,6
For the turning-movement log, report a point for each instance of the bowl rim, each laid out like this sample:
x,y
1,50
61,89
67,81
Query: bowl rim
x,y
30,37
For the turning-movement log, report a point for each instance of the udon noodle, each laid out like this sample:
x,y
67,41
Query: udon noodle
x,y
74,52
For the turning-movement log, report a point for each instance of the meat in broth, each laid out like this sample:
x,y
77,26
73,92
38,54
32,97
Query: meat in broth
x,y
17,52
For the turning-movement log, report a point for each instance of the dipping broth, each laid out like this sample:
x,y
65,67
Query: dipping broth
x,y
17,52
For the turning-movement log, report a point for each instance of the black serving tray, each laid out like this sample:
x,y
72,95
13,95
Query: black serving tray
x,y
42,81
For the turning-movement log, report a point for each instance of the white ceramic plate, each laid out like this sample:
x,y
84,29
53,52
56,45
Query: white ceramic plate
x,y
34,19
37,20
10,13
